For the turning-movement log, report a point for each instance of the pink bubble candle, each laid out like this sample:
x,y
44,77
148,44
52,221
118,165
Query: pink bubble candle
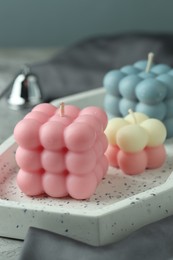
x,y
136,143
61,151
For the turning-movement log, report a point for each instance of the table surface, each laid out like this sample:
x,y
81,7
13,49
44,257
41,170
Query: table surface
x,y
11,61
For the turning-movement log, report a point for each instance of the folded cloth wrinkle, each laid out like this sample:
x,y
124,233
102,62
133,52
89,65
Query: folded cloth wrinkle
x,y
152,242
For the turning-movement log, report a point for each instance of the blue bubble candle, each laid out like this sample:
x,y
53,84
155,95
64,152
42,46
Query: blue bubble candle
x,y
143,87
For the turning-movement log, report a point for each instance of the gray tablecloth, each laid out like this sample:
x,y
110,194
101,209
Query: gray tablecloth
x,y
153,242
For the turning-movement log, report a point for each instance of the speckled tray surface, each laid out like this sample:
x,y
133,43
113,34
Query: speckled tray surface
x,y
120,205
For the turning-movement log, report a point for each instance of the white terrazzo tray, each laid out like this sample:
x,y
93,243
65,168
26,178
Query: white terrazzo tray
x,y
120,205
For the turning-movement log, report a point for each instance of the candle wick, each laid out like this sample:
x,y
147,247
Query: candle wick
x,y
61,109
133,115
150,61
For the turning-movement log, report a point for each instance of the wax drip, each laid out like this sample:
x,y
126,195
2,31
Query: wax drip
x,y
150,61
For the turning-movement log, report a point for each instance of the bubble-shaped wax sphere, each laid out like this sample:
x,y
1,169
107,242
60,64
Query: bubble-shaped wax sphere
x,y
29,183
170,72
168,81
156,131
79,137
99,172
55,184
65,120
156,156
125,105
46,108
169,126
26,133
53,161
141,64
127,86
157,111
151,91
52,136
169,108
111,81
112,128
160,69
38,116
92,121
81,187
28,160
145,75
80,163
136,117
132,163
112,153
129,69
132,138
111,105
69,111
96,111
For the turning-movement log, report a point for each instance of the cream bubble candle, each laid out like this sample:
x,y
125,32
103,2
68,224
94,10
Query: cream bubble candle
x,y
135,143
61,151
143,87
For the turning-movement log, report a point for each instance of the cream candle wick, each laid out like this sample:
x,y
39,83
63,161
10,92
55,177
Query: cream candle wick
x,y
133,115
150,61
62,109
